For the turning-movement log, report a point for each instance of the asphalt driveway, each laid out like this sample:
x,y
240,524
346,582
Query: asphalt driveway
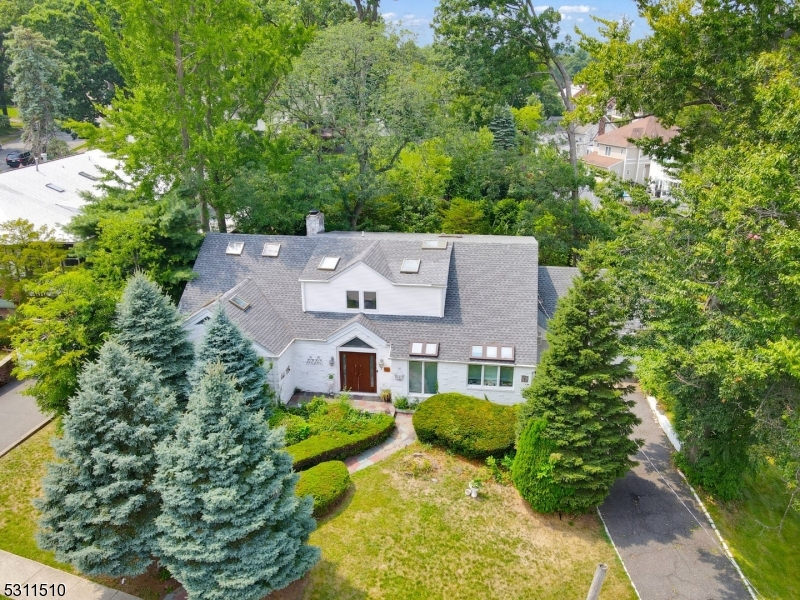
x,y
18,414
662,535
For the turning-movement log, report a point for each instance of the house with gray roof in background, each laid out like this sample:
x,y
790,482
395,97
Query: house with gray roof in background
x,y
365,312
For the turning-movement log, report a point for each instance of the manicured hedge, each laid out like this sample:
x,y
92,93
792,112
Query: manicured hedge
x,y
337,445
470,426
327,482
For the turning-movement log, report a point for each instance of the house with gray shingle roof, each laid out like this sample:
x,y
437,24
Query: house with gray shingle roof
x,y
366,312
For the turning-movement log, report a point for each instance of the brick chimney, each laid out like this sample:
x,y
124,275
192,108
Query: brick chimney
x,y
315,222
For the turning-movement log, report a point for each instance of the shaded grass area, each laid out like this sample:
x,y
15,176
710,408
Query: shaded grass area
x,y
410,532
21,471
767,557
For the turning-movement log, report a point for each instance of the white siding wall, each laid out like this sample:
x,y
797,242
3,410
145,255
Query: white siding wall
x,y
392,299
452,377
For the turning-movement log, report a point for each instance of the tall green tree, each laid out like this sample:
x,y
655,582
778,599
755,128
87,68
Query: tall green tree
x,y
575,424
35,69
166,123
10,15
231,524
60,327
365,93
99,507
223,342
87,78
150,327
504,129
26,253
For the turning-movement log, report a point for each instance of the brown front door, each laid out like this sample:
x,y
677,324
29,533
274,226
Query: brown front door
x,y
357,372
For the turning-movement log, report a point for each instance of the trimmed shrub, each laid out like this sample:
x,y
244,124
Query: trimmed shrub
x,y
297,429
326,483
469,426
532,470
338,445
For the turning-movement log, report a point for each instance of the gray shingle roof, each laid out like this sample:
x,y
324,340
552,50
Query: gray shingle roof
x,y
554,283
492,289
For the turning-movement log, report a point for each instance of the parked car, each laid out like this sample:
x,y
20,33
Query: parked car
x,y
18,158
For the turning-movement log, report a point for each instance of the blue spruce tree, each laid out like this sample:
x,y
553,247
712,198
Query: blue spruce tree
x,y
232,527
224,342
99,508
150,326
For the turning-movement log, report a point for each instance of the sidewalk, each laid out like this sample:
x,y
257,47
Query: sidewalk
x,y
16,570
19,414
660,532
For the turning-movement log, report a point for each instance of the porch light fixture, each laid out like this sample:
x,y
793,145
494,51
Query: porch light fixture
x,y
331,361
410,265
271,250
328,263
234,248
380,363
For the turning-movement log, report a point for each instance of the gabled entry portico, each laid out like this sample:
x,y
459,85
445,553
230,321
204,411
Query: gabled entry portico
x,y
357,366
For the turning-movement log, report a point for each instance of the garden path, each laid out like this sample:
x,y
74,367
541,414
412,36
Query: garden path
x,y
18,571
402,436
661,533
19,415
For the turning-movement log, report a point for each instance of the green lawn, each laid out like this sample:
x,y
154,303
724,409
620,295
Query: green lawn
x,y
21,471
408,536
768,558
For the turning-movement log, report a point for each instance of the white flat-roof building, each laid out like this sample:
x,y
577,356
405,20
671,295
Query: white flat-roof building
x,y
52,194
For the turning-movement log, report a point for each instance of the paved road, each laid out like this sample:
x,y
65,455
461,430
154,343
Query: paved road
x,y
18,145
664,539
18,413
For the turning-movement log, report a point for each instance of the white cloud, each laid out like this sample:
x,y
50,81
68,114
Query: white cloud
x,y
539,9
389,16
579,19
579,8
565,17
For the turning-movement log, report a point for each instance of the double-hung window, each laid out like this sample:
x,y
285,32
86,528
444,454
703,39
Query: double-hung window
x,y
490,376
422,377
354,300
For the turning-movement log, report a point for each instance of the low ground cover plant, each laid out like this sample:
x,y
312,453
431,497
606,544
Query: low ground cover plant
x,y
470,426
326,483
404,403
322,431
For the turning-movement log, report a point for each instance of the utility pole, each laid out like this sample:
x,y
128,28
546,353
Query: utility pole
x,y
597,582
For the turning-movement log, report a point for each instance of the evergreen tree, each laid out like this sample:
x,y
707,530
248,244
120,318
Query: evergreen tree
x,y
224,342
576,423
35,69
99,509
231,525
503,128
151,327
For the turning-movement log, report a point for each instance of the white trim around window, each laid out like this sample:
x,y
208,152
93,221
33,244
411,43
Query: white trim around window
x,y
490,377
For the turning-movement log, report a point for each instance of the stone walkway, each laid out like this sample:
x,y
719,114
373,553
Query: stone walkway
x,y
663,537
18,571
402,436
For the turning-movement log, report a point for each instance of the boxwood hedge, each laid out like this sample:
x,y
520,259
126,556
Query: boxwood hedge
x,y
326,483
338,445
470,426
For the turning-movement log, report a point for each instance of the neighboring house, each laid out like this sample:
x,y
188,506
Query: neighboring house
x,y
52,194
614,151
411,313
7,308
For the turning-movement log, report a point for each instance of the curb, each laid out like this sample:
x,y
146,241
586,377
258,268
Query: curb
x,y
613,545
26,436
666,426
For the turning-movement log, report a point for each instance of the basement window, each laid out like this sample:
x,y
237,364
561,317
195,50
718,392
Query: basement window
x,y
234,248
55,187
87,175
328,263
410,265
239,302
271,250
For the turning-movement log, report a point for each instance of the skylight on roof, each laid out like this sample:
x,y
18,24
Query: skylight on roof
x,y
492,352
410,265
87,175
328,263
434,244
234,248
239,302
424,349
271,250
55,187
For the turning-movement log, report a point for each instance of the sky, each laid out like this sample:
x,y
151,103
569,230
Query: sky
x,y
417,15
